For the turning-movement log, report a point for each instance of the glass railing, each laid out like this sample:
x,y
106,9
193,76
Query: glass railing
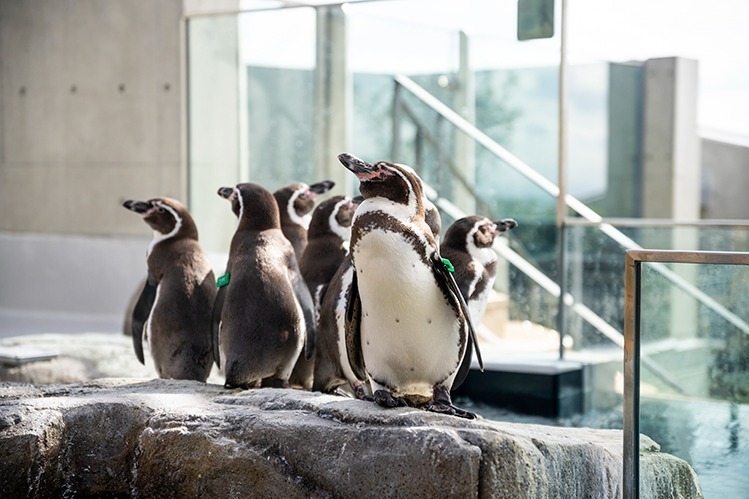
x,y
704,419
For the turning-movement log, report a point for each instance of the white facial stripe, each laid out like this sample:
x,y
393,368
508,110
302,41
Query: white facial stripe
x,y
241,203
293,215
158,236
481,256
411,193
343,232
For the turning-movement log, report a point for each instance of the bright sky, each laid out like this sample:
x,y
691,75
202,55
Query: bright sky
x,y
713,32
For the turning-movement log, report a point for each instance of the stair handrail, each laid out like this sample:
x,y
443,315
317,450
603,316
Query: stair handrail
x,y
570,201
501,247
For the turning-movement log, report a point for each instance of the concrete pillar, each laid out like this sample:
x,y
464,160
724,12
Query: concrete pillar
x,y
333,98
671,167
465,147
671,148
624,196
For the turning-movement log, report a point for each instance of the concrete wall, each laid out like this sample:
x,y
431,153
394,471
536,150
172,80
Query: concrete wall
x,y
90,115
725,176
91,101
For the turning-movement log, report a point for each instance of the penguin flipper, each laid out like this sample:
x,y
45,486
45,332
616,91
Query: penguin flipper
x,y
353,330
465,365
141,312
218,307
304,298
447,275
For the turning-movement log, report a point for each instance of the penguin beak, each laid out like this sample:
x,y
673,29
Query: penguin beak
x,y
363,170
505,224
226,192
322,187
137,206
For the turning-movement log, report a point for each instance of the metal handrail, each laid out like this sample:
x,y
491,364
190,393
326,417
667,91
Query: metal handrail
x,y
632,353
571,202
501,248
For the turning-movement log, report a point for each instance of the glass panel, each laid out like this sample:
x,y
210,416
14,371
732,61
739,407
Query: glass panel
x,y
280,104
698,408
213,142
595,266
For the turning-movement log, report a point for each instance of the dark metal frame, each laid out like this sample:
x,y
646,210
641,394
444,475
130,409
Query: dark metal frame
x,y
632,300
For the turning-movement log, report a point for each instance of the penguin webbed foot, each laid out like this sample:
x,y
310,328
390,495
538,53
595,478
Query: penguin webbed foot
x,y
274,383
242,386
384,398
442,404
442,408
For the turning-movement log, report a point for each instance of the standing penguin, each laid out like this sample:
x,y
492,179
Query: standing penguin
x,y
173,310
263,312
295,204
407,324
328,243
328,240
468,245
332,366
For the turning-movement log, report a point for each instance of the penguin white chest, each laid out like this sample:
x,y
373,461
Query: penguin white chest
x,y
410,334
482,257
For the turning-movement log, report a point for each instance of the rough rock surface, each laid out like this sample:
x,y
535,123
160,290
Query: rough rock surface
x,y
164,438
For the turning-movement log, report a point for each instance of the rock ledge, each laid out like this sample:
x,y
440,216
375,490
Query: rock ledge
x,y
136,437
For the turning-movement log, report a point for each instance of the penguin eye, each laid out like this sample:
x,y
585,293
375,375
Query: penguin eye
x,y
160,209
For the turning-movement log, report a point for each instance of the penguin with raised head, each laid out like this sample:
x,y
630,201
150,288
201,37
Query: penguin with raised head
x,y
173,311
407,324
295,204
328,238
468,245
263,314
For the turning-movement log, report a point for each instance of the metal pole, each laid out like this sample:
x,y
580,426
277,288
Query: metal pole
x,y
562,179
631,454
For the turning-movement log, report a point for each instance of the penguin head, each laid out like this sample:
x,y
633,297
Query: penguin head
x,y
476,231
164,215
297,200
334,215
253,205
396,182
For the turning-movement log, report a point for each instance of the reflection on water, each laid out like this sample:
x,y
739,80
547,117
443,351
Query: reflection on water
x,y
713,437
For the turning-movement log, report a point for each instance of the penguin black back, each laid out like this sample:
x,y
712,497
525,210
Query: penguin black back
x,y
263,314
173,310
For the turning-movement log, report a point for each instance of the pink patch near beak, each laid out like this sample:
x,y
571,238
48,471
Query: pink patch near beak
x,y
369,176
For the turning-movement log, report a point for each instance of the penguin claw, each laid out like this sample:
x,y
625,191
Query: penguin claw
x,y
384,398
443,408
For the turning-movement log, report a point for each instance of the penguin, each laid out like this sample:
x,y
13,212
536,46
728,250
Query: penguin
x,y
332,369
468,245
328,237
328,243
173,310
263,314
407,324
432,218
295,204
